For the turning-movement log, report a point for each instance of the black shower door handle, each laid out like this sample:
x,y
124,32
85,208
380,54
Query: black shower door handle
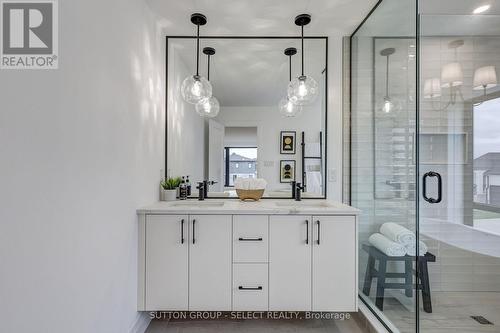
x,y
440,187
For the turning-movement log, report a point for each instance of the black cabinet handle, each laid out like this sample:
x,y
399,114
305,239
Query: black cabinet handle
x,y
182,231
193,232
319,233
241,239
307,231
250,288
440,187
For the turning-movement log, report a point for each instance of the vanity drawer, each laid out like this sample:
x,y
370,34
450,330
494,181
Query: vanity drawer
x,y
250,287
250,238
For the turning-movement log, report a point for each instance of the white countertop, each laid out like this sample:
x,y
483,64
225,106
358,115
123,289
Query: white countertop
x,y
264,206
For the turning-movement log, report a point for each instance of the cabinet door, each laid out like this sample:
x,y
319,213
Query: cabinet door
x,y
210,238
166,262
334,263
290,263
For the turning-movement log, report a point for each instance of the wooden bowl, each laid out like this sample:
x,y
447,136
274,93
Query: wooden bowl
x,y
249,195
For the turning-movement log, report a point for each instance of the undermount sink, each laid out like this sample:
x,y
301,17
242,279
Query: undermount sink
x,y
303,204
198,204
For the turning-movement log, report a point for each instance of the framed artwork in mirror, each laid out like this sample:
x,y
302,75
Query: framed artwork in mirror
x,y
287,142
287,171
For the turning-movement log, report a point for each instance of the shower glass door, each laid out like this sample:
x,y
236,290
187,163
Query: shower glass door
x,y
459,165
383,156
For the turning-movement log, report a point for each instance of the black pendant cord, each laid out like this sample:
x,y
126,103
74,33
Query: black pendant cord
x,y
290,71
208,67
387,78
302,39
197,50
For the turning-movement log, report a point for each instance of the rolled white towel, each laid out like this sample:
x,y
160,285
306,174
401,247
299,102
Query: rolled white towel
x,y
250,184
411,249
384,244
397,233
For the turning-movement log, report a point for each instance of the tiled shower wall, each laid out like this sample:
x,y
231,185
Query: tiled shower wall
x,y
376,147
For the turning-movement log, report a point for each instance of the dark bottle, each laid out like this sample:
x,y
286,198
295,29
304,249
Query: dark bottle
x,y
188,186
183,190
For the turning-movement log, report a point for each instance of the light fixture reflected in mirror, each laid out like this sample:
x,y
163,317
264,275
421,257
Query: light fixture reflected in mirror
x,y
432,88
388,104
452,78
208,107
484,78
195,87
286,107
303,90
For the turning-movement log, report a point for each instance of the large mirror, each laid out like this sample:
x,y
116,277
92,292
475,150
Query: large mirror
x,y
249,137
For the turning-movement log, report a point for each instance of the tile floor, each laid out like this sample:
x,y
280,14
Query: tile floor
x,y
255,326
451,313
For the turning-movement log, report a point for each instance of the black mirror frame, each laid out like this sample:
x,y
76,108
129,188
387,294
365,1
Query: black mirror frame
x,y
325,38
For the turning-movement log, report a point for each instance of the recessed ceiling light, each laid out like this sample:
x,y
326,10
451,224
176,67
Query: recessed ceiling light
x,y
481,9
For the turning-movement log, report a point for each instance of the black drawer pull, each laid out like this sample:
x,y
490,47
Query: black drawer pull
x,y
250,288
182,231
319,234
241,239
194,240
307,231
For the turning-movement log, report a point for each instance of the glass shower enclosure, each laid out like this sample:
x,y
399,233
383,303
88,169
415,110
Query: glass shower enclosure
x,y
425,156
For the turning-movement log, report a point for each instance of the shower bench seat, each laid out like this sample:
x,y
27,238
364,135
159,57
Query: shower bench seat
x,y
381,274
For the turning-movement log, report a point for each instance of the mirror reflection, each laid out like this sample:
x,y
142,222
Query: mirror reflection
x,y
255,131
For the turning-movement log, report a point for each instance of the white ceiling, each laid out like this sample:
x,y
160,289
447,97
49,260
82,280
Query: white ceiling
x,y
251,72
438,18
457,7
261,17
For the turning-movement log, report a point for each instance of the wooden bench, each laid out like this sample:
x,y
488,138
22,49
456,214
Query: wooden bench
x,y
381,274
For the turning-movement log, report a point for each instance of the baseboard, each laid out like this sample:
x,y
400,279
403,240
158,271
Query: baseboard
x,y
141,323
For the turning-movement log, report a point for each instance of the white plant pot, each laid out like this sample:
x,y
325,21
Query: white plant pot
x,y
170,195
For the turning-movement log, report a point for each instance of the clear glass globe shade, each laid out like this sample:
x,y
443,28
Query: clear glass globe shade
x,y
388,105
195,88
303,90
288,109
208,107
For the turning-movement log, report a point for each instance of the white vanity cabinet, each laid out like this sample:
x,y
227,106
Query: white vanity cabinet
x,y
187,262
289,263
210,262
312,263
166,262
334,263
247,257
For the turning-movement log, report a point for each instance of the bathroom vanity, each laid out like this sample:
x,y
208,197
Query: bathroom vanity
x,y
228,255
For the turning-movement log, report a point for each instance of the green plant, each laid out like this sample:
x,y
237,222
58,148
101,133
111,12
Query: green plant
x,y
171,183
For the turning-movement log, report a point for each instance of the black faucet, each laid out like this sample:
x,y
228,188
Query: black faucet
x,y
207,183
201,190
298,192
294,188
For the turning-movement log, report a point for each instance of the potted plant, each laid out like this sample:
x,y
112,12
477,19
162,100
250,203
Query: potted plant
x,y
169,188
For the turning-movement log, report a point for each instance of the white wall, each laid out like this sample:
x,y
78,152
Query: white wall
x,y
81,148
335,123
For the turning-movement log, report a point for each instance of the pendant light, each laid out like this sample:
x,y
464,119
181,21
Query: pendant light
x,y
208,107
286,107
303,90
195,87
388,105
451,74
